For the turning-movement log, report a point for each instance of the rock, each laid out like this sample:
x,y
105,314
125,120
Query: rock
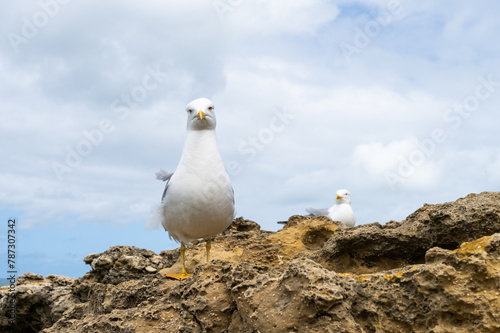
x,y
29,277
39,302
373,247
122,263
150,269
240,225
436,271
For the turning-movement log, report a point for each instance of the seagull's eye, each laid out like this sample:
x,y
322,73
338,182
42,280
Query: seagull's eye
x,y
210,108
190,110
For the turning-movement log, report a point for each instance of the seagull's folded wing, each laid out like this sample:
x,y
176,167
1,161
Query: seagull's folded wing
x,y
317,212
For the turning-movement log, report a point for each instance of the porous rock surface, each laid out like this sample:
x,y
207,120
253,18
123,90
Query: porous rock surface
x,y
436,271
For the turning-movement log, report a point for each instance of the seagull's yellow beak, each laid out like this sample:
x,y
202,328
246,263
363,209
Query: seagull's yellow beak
x,y
339,196
201,115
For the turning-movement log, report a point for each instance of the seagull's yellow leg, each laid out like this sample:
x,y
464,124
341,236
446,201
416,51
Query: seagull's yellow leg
x,y
183,273
209,246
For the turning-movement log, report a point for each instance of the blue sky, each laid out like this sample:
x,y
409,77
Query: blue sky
x,y
396,101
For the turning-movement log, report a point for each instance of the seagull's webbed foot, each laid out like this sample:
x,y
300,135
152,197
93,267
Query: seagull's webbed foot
x,y
183,274
180,276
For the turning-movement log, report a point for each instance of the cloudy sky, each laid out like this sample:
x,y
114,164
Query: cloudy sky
x,y
396,101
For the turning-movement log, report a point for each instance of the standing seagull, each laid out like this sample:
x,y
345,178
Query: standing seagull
x,y
198,201
340,211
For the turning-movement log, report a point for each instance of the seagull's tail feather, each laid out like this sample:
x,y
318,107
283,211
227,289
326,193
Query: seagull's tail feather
x,y
155,219
163,175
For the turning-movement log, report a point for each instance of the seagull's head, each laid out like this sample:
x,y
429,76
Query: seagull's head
x,y
343,197
201,114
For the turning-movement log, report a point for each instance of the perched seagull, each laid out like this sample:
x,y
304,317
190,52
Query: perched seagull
x,y
198,200
340,211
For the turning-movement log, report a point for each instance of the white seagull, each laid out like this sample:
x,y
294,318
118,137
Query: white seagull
x,y
341,211
198,200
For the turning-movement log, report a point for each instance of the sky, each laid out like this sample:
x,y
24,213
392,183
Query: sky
x,y
396,101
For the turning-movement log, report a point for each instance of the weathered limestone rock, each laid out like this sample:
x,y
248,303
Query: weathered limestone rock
x,y
436,271
122,263
40,302
374,247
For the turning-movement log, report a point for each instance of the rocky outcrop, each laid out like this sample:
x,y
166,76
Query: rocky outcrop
x,y
436,271
39,302
374,247
125,263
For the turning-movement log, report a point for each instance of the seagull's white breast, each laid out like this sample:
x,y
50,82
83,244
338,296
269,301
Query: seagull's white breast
x,y
199,202
343,213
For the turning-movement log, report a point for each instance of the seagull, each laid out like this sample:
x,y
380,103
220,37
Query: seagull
x,y
198,200
341,211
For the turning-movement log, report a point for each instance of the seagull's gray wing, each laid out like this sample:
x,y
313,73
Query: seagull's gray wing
x,y
317,212
166,187
165,176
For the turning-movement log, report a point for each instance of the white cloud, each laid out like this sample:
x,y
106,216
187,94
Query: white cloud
x,y
407,163
376,158
277,17
354,122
